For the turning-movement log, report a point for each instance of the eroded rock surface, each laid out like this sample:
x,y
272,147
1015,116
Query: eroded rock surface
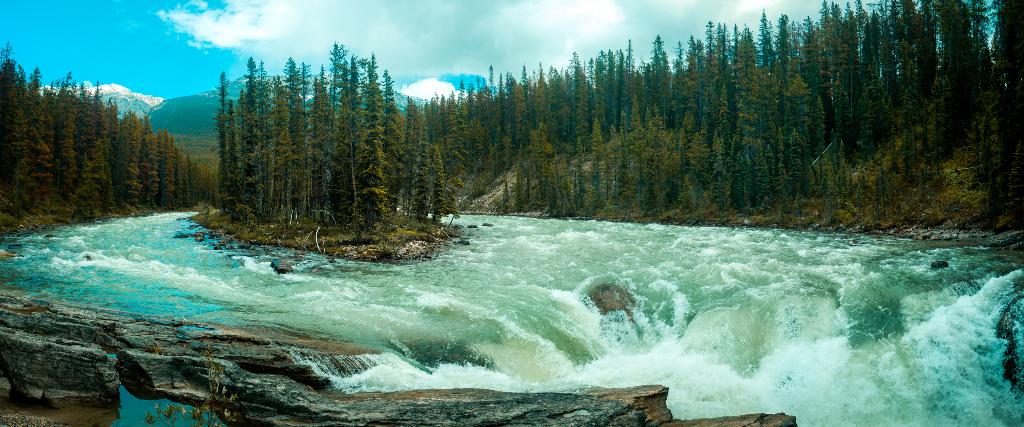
x,y
751,420
56,372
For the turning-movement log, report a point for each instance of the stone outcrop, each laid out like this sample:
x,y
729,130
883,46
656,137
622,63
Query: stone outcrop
x,y
57,355
609,297
56,372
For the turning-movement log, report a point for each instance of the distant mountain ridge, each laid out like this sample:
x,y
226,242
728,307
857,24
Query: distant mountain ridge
x,y
125,99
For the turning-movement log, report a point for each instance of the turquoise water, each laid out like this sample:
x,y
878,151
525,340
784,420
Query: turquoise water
x,y
834,329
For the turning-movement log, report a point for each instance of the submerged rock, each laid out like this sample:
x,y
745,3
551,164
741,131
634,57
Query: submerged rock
x,y
199,237
487,224
1010,327
281,266
183,235
471,226
462,242
940,264
609,297
4,254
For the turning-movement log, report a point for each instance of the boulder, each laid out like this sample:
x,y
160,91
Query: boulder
x,y
609,297
5,255
199,237
471,226
281,266
184,235
936,265
648,399
487,224
57,372
462,242
751,420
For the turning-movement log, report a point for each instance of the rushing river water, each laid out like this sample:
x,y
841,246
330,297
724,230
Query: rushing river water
x,y
834,329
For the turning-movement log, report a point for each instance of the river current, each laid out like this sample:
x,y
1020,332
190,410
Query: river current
x,y
835,329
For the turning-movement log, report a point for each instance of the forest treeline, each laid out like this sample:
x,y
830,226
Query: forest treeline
x,y
902,112
896,113
65,154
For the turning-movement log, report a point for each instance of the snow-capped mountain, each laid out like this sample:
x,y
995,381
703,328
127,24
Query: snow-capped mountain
x,y
125,99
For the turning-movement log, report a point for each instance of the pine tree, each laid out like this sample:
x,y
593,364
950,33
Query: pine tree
x,y
372,202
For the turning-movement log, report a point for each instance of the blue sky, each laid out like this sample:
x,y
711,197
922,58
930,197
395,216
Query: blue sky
x,y
110,41
172,48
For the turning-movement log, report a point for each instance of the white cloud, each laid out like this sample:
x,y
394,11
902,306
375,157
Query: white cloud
x,y
239,25
419,38
428,88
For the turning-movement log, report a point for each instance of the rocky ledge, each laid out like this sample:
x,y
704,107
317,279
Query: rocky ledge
x,y
63,356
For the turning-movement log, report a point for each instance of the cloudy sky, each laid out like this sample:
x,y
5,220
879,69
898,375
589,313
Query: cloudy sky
x,y
426,44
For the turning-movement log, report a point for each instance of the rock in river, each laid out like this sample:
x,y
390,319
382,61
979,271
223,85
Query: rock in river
x,y
4,254
940,264
609,297
281,266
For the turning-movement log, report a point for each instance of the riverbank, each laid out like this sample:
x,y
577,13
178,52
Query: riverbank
x,y
953,235
406,242
39,222
76,358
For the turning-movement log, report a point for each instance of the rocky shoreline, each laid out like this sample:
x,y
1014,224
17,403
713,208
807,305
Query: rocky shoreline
x,y
68,357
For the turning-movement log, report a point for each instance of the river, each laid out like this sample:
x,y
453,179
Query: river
x,y
835,329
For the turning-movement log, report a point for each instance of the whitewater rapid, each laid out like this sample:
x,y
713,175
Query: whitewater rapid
x,y
835,329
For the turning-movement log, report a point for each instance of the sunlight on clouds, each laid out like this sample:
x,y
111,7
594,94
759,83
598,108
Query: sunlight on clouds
x,y
438,37
427,88
747,6
239,23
